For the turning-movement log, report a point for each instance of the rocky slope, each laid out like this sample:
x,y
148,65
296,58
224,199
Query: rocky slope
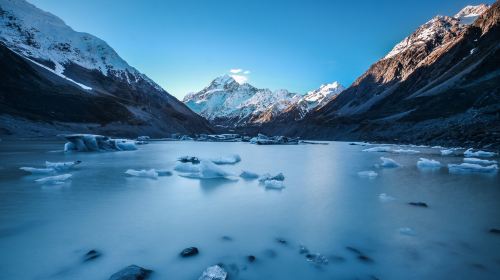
x,y
57,79
228,104
439,85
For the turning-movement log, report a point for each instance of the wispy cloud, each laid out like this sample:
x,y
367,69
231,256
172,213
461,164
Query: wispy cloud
x,y
246,72
236,71
240,79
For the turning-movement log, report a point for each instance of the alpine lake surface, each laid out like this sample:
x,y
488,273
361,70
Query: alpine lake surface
x,y
46,229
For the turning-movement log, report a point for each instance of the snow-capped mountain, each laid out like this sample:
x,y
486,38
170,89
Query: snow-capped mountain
x,y
61,60
227,103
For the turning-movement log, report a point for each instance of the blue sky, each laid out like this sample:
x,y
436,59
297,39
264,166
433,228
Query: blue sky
x,y
297,45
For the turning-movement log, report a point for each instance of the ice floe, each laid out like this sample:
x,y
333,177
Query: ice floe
x,y
62,166
479,161
471,153
185,167
248,175
58,179
388,163
267,176
368,174
273,184
425,163
215,272
150,173
91,142
385,149
403,151
446,152
232,159
472,168
191,159
385,198
208,170
34,170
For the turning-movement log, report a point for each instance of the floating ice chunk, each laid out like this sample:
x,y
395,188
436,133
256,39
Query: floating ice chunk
x,y
248,175
385,198
407,231
58,179
62,166
34,170
232,159
125,145
479,161
91,142
151,173
403,151
187,167
388,162
446,152
472,168
471,153
428,163
193,160
208,170
368,174
215,272
267,176
274,184
378,149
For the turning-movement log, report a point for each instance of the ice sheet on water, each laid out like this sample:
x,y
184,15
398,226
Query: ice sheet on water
x,y
232,159
479,161
470,153
62,166
378,149
208,170
151,173
58,179
248,175
383,197
388,163
472,168
368,174
425,163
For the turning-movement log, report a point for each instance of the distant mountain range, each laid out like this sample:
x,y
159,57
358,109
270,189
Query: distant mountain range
x,y
226,103
56,79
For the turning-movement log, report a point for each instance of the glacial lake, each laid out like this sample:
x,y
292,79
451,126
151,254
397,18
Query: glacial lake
x,y
46,229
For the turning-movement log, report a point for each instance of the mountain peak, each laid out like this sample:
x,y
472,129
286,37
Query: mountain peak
x,y
471,11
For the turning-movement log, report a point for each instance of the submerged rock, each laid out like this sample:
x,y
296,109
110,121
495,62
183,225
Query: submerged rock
x,y
495,231
360,255
418,204
132,272
227,238
215,272
91,255
251,258
281,241
188,252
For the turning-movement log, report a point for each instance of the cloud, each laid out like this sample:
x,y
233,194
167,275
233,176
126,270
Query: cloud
x,y
236,71
246,72
240,79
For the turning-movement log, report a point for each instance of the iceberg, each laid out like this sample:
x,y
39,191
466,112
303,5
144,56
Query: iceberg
x,y
274,184
446,152
151,173
385,198
385,149
62,166
267,176
193,160
248,175
215,272
91,142
58,179
262,139
34,170
368,174
428,163
471,153
388,162
187,167
479,161
403,151
232,159
208,170
472,168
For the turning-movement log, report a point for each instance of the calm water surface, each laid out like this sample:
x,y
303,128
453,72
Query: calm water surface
x,y
46,229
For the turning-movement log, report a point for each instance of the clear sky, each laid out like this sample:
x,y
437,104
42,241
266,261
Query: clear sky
x,y
297,45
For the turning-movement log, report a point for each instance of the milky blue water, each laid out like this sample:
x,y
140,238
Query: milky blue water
x,y
46,229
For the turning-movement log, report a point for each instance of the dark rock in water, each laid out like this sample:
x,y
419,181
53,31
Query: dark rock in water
x,y
495,231
360,255
354,250
227,238
132,272
418,204
91,255
188,252
281,241
365,258
251,258
270,253
303,250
